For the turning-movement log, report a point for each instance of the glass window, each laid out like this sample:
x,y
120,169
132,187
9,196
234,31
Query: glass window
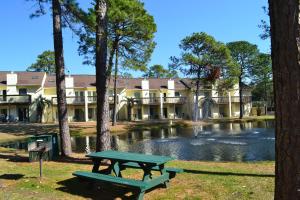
x,y
137,95
22,91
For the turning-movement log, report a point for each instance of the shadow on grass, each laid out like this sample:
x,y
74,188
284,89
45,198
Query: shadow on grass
x,y
11,176
19,158
26,128
95,191
226,173
14,158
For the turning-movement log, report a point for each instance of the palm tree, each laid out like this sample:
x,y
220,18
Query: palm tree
x,y
41,103
130,104
207,103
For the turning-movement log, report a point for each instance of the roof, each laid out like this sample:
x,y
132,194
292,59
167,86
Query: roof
x,y
84,81
24,78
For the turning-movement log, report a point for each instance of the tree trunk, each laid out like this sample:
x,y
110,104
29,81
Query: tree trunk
x,y
102,78
266,98
241,98
196,104
115,89
60,81
286,69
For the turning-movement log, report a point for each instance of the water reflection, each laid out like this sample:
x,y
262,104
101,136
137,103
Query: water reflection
x,y
252,141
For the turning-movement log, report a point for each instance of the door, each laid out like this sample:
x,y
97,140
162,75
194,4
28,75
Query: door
x,y
152,97
4,95
165,112
79,96
139,113
152,112
79,114
165,97
22,114
178,112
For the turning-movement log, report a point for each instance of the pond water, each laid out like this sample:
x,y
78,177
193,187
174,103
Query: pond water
x,y
251,141
218,142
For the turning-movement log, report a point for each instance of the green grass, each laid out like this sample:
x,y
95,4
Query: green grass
x,y
201,180
245,119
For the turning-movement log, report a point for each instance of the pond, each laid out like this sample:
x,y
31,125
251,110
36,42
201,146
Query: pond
x,y
251,141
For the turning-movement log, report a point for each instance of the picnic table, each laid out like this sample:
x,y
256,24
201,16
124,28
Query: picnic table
x,y
120,161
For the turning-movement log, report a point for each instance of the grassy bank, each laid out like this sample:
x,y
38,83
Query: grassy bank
x,y
244,119
201,180
16,131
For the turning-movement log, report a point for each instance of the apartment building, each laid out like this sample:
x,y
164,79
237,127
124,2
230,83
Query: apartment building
x,y
137,98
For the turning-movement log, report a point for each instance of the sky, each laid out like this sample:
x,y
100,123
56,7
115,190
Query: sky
x,y
22,38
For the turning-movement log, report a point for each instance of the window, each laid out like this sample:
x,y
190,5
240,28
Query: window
x,y
177,94
137,95
79,93
92,93
22,91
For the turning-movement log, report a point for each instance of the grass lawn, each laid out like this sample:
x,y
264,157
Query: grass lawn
x,y
201,180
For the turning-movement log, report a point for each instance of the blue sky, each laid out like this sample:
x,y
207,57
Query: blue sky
x,y
22,39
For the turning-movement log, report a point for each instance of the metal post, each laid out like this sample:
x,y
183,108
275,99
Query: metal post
x,y
41,164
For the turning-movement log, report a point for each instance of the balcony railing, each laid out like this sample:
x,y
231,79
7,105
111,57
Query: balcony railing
x,y
80,100
174,100
71,100
15,99
157,100
93,99
234,99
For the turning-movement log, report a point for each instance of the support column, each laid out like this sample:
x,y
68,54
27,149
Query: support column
x,y
86,106
161,106
87,145
229,103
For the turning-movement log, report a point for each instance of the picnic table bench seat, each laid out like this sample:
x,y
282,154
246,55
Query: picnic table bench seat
x,y
111,179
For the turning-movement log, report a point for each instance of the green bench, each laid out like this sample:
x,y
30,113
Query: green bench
x,y
142,186
119,161
112,179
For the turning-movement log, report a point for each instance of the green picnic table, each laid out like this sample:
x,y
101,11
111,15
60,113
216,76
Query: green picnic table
x,y
120,161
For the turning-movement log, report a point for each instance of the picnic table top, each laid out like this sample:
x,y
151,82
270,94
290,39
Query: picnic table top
x,y
131,157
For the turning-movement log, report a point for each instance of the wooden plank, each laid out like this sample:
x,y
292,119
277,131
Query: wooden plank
x,y
131,157
157,180
111,179
155,168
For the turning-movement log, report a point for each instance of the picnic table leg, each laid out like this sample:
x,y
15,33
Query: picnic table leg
x,y
141,195
96,165
116,169
163,171
147,171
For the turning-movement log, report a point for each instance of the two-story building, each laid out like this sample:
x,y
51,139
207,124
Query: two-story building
x,y
137,98
17,92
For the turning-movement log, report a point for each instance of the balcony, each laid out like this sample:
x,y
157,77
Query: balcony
x,y
93,99
174,100
71,100
15,99
157,100
80,100
234,99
